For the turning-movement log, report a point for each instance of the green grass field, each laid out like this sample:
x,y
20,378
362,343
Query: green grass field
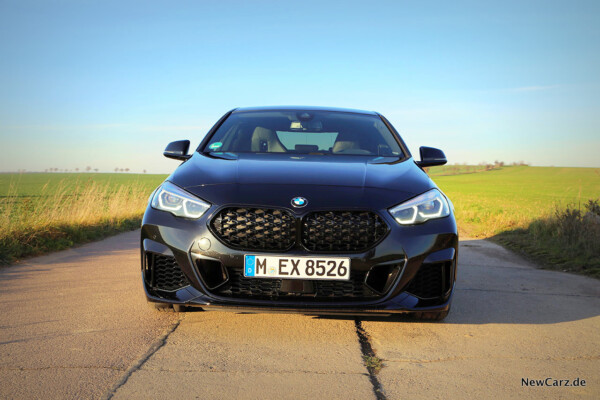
x,y
490,202
518,206
31,184
42,212
458,169
537,211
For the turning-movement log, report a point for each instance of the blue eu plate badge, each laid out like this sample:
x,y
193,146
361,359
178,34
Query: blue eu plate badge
x,y
249,265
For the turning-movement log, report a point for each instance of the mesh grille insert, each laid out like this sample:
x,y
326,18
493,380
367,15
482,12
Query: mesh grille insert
x,y
324,231
167,274
255,228
429,281
342,230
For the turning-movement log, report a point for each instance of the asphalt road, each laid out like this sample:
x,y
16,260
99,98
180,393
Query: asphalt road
x,y
75,325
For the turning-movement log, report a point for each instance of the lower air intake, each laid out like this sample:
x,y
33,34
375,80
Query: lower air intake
x,y
238,286
163,273
431,281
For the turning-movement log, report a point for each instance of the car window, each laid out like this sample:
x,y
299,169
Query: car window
x,y
313,141
304,132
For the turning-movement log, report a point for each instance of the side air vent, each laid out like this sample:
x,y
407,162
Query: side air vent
x,y
432,280
163,273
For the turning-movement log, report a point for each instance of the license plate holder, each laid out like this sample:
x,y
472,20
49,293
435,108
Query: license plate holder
x,y
292,267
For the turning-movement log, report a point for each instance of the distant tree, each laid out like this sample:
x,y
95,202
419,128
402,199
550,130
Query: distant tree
x,y
88,168
144,171
117,169
46,170
95,169
126,169
121,169
76,169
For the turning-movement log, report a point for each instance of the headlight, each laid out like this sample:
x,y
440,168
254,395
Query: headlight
x,y
178,202
429,205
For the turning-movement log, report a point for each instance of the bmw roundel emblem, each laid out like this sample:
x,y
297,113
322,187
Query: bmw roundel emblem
x,y
299,202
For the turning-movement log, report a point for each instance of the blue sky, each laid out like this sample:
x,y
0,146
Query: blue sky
x,y
109,84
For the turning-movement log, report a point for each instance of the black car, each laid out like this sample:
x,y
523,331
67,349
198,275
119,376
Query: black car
x,y
301,209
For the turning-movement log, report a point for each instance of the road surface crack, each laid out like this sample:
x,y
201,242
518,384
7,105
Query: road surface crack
x,y
372,362
137,365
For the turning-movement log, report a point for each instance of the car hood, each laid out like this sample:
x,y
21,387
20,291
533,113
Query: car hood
x,y
326,181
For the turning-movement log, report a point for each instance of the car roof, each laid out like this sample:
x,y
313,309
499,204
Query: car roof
x,y
302,108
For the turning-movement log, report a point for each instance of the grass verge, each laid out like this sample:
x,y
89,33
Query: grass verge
x,y
569,240
36,242
64,214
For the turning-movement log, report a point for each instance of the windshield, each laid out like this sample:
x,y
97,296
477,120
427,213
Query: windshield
x,y
304,132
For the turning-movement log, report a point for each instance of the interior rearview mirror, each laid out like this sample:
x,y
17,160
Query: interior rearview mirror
x,y
178,150
430,157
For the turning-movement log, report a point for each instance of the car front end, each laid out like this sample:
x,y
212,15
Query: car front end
x,y
300,232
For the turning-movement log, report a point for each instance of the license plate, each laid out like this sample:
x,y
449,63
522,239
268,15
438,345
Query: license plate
x,y
327,268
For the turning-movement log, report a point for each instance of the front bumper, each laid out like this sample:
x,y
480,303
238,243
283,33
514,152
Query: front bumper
x,y
411,248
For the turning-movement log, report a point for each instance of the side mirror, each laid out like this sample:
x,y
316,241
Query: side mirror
x,y
178,150
430,157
